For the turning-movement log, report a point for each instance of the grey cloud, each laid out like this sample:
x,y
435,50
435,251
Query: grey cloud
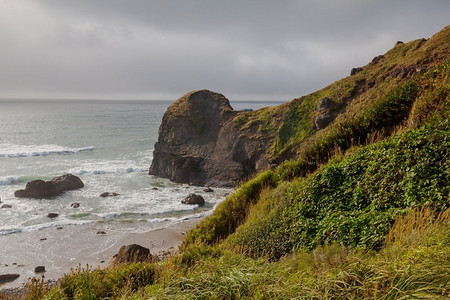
x,y
151,49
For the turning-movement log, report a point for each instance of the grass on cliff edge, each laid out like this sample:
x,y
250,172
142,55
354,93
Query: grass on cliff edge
x,y
291,125
354,199
413,103
413,263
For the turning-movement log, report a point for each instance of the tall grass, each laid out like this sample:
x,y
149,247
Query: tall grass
x,y
413,263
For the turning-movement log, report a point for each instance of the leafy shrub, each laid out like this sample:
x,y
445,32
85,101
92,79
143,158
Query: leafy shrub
x,y
354,201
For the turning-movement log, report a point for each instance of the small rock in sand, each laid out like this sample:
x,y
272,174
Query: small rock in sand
x,y
52,215
108,194
75,205
39,269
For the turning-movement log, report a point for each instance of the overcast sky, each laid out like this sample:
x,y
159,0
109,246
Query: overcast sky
x,y
129,49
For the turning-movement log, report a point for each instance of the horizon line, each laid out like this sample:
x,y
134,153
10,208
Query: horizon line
x,y
10,99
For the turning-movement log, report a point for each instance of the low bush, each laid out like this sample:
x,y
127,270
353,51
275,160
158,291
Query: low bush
x,y
355,200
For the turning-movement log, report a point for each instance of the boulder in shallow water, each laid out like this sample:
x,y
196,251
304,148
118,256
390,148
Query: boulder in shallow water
x,y
6,206
132,253
39,189
68,182
194,199
52,215
75,205
56,186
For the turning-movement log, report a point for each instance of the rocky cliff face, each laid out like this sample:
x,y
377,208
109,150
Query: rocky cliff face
x,y
200,144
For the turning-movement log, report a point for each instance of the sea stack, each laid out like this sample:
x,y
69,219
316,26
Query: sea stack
x,y
199,143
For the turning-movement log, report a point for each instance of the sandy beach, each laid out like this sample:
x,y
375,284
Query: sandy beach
x,y
59,250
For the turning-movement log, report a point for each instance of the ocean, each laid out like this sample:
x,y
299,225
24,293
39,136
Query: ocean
x,y
109,145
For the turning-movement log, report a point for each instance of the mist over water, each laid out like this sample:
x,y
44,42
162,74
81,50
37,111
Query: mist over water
x,y
109,145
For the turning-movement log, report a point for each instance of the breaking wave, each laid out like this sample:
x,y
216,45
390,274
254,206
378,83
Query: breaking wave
x,y
9,180
10,150
109,171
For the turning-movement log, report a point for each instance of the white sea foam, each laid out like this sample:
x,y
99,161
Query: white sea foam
x,y
11,150
10,231
9,180
109,171
5,231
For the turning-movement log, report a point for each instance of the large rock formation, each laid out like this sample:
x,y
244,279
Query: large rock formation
x,y
56,186
200,144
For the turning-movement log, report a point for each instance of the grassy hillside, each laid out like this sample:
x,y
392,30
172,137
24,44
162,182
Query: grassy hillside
x,y
357,209
292,124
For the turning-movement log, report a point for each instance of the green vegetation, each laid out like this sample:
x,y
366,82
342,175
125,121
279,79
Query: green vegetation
x,y
352,200
291,126
357,210
381,116
413,263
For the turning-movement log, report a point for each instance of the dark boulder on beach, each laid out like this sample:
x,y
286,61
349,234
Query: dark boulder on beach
x,y
132,253
201,143
194,199
5,278
39,269
44,189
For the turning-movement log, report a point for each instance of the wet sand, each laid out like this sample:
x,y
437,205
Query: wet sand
x,y
59,250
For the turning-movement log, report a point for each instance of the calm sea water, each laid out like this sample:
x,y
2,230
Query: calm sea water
x,y
109,145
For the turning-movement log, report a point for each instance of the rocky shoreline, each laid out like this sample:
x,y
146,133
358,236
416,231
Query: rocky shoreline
x,y
69,248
